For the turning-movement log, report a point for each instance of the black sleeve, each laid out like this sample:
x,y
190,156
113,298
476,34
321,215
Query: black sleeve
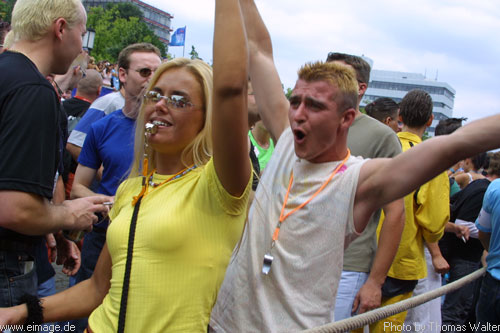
x,y
29,140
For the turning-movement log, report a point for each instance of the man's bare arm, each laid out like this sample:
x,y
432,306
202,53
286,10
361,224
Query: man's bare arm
x,y
439,263
84,176
370,294
31,214
271,101
484,238
73,150
419,165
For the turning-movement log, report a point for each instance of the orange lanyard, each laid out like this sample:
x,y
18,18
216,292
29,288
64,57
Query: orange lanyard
x,y
148,181
83,99
283,217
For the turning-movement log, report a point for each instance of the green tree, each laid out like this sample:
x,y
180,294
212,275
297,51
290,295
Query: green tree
x,y
6,7
125,10
114,32
194,53
288,93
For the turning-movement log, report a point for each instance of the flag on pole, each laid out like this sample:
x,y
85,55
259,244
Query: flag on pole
x,y
178,37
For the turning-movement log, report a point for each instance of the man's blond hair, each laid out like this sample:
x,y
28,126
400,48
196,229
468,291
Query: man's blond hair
x,y
31,19
339,76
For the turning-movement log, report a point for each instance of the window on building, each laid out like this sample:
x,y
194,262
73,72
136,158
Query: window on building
x,y
407,87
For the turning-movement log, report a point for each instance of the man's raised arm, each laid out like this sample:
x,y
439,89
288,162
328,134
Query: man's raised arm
x,y
271,101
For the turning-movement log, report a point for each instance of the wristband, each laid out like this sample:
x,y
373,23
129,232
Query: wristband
x,y
35,310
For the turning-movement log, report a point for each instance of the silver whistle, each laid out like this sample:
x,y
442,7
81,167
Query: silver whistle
x,y
151,128
268,261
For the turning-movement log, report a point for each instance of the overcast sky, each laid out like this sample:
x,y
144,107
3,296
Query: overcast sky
x,y
456,41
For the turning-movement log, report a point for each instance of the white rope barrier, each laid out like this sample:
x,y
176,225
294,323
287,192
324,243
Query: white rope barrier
x,y
389,310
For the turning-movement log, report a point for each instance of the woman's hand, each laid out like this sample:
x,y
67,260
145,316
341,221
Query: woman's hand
x,y
15,315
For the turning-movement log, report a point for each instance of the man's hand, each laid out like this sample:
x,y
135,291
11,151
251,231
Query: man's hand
x,y
440,264
68,255
461,231
52,246
81,211
368,298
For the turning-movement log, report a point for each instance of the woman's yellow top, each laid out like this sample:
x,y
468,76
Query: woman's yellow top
x,y
186,231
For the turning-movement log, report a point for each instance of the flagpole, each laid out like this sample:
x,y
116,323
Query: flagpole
x,y
184,44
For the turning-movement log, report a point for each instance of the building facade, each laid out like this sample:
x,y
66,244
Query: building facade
x,y
157,20
395,85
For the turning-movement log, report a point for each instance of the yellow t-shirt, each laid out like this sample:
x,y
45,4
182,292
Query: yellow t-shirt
x,y
186,231
425,220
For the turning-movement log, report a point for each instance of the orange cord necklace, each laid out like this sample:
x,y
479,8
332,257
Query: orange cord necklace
x,y
268,258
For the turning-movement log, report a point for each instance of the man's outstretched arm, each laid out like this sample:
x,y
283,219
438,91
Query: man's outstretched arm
x,y
30,214
419,165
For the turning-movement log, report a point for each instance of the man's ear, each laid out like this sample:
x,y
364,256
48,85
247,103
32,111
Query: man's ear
x,y
348,117
387,120
122,75
362,88
429,122
59,27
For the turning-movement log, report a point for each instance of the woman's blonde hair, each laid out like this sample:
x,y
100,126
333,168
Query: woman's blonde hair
x,y
200,149
31,19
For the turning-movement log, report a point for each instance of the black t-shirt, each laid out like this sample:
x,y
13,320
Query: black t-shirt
x,y
465,205
29,130
73,107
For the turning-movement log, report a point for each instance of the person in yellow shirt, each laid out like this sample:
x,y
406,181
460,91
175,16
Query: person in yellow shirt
x,y
427,211
177,218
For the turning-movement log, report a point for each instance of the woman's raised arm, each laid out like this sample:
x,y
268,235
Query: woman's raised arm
x,y
230,119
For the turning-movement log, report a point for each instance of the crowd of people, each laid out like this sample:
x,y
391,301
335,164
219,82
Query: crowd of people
x,y
209,201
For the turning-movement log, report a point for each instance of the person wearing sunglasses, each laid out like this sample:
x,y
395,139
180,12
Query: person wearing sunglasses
x,y
133,76
110,144
186,195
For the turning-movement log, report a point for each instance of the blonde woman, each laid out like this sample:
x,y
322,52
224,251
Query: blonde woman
x,y
186,197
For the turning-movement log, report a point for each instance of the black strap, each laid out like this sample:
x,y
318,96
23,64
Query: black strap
x,y
128,266
415,195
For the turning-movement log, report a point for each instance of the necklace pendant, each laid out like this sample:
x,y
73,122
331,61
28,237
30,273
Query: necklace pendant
x,y
268,261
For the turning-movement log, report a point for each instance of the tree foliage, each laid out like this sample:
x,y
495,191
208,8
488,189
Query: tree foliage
x,y
6,7
125,10
194,53
115,29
